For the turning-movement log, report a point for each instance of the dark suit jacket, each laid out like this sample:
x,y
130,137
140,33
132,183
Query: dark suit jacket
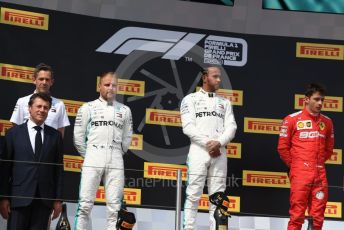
x,y
31,176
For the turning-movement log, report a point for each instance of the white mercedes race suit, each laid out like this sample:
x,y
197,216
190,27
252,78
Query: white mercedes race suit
x,y
205,116
102,134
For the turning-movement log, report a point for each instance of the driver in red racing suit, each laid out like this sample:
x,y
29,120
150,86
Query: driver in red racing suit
x,y
305,143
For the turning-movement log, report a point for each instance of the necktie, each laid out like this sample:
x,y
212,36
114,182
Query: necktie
x,y
38,142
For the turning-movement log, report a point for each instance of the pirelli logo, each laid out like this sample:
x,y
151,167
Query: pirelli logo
x,y
24,18
72,107
336,157
72,163
164,171
100,195
234,96
234,150
4,126
265,179
131,87
262,125
128,87
319,51
333,210
331,103
131,195
16,73
136,142
163,117
234,203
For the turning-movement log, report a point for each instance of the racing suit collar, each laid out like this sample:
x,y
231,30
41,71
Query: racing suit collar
x,y
311,115
210,94
105,103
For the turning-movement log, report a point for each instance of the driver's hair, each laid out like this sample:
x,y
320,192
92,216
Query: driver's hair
x,y
104,74
314,88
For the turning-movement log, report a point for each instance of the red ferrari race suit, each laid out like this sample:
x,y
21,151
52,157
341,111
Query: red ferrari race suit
x,y
305,144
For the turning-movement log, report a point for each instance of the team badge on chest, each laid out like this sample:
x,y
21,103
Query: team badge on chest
x,y
322,126
307,124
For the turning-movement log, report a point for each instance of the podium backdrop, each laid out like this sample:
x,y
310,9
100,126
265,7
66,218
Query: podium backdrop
x,y
263,76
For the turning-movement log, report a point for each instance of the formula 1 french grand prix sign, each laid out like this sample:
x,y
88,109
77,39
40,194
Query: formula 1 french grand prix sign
x,y
174,45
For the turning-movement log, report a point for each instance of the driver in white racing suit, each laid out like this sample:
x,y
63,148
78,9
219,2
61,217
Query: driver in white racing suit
x,y
208,121
102,134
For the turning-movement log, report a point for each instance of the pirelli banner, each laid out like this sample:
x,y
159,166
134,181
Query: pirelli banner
x,y
263,76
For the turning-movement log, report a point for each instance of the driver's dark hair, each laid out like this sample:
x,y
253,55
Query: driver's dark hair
x,y
314,88
204,72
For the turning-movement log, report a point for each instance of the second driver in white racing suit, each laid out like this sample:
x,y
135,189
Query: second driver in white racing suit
x,y
208,121
102,134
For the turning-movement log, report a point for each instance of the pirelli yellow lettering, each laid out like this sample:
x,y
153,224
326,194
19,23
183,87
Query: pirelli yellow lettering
x,y
136,142
234,150
72,107
319,51
16,73
262,125
132,196
336,157
332,210
24,18
163,117
265,179
164,171
72,163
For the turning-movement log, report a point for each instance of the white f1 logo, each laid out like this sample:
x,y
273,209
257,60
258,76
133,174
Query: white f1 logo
x,y
173,43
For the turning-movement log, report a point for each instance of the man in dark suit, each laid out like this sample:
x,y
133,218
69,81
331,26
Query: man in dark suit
x,y
31,170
